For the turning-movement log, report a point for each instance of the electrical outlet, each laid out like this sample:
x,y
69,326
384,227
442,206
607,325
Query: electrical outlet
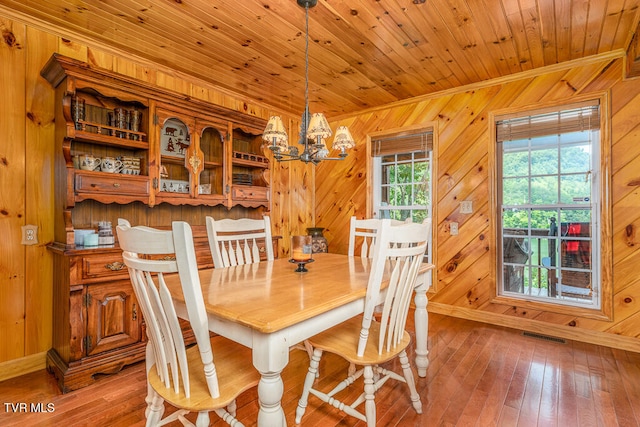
x,y
466,207
29,235
453,228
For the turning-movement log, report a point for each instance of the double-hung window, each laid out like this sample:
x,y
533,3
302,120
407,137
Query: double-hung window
x,y
402,165
549,205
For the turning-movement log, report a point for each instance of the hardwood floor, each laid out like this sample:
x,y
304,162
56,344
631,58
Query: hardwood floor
x,y
479,375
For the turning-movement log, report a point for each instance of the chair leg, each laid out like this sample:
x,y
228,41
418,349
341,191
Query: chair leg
x,y
308,383
352,369
309,348
155,409
149,400
408,377
369,396
228,418
203,419
232,407
151,394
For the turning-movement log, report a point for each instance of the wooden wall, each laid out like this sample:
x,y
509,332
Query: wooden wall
x,y
464,282
26,176
327,195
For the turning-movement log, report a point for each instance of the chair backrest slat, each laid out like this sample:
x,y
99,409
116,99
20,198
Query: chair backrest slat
x,y
234,241
366,231
141,247
398,255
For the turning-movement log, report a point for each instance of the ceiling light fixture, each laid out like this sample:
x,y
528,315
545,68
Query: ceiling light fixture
x,y
314,128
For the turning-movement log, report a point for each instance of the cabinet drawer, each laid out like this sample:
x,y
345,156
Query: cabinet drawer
x,y
104,265
111,183
250,193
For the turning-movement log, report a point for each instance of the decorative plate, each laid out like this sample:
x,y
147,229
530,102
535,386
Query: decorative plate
x,y
174,138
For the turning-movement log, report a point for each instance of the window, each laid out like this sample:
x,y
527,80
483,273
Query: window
x,y
402,175
548,195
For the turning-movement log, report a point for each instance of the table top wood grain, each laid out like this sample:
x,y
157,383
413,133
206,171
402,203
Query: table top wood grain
x,y
270,296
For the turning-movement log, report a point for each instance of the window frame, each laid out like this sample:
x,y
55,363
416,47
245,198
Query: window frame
x,y
603,237
378,185
430,127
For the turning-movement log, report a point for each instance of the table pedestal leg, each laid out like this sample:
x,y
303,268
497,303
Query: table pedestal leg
x,y
270,391
422,325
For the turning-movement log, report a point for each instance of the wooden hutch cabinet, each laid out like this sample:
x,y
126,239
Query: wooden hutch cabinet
x,y
126,148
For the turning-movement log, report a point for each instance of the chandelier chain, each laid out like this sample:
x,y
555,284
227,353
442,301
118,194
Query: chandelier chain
x,y
305,114
313,129
306,63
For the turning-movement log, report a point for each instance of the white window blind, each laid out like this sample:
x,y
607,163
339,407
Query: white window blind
x,y
402,142
577,118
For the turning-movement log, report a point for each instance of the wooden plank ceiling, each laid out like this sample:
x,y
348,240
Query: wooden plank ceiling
x,y
363,53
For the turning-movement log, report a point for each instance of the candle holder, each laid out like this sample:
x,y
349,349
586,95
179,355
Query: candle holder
x,y
301,265
301,250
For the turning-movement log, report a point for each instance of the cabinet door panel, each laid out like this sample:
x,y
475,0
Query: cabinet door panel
x,y
113,317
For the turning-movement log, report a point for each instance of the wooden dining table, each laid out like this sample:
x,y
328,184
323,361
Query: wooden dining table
x,y
269,307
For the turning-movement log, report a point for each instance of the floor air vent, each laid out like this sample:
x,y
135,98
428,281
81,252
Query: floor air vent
x,y
543,337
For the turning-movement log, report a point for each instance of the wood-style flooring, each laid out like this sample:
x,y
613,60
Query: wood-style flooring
x,y
479,375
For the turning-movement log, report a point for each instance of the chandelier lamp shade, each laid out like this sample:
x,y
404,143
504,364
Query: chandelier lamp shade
x,y
314,128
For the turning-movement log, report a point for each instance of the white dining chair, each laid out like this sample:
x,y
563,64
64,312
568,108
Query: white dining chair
x,y
363,232
367,342
187,378
234,241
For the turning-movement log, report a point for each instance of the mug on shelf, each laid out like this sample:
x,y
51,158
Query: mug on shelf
x,y
79,235
88,162
111,165
91,239
130,165
129,160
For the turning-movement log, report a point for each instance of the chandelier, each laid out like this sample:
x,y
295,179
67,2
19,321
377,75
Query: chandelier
x,y
314,128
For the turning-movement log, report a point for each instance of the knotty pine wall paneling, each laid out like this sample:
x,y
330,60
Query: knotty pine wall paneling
x,y
342,188
465,277
39,133
12,195
26,176
293,196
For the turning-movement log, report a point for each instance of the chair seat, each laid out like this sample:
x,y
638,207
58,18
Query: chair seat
x,y
234,377
342,339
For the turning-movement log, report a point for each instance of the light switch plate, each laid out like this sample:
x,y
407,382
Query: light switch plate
x,y
453,228
466,207
29,235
